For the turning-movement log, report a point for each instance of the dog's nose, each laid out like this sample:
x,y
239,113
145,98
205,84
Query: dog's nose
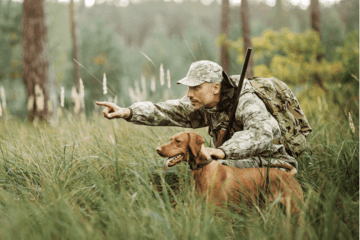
x,y
158,149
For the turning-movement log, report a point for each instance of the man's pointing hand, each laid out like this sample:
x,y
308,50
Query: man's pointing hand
x,y
114,111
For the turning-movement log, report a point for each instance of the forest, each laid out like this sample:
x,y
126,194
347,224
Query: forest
x,y
68,173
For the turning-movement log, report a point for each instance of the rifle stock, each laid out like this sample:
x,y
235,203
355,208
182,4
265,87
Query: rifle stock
x,y
224,134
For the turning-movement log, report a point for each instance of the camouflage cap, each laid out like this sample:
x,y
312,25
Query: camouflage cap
x,y
202,71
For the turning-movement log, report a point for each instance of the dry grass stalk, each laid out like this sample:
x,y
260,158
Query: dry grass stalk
x,y
82,100
153,84
351,123
168,78
162,75
76,99
62,97
0,111
3,97
104,84
82,89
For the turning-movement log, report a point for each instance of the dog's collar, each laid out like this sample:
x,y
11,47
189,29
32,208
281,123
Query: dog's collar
x,y
201,165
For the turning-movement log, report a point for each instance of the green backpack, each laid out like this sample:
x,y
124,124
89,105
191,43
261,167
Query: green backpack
x,y
283,105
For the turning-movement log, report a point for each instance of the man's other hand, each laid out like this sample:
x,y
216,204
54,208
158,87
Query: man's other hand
x,y
114,111
216,153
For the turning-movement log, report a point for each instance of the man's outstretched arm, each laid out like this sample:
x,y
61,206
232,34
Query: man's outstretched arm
x,y
177,113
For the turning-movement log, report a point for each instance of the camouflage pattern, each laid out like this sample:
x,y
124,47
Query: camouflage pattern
x,y
254,129
202,71
283,105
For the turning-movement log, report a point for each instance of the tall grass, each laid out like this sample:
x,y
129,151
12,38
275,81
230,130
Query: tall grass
x,y
103,180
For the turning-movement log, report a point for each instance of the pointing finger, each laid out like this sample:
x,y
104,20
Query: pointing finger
x,y
106,104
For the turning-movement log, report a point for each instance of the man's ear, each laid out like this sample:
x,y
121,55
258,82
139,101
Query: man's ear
x,y
195,142
217,88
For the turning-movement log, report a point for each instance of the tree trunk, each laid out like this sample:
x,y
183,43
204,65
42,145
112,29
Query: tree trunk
x,y
315,25
76,55
315,15
245,19
224,29
37,74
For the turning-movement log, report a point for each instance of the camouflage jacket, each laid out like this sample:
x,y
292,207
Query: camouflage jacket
x,y
253,131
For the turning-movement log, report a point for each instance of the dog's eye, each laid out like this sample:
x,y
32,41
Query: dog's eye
x,y
177,141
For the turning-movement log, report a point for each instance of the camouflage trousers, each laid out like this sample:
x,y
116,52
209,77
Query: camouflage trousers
x,y
256,162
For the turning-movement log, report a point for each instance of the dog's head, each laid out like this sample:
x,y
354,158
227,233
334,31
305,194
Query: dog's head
x,y
180,146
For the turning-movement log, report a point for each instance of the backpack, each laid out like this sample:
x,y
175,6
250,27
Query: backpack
x,y
281,102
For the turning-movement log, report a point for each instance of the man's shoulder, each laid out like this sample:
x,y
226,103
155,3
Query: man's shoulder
x,y
246,85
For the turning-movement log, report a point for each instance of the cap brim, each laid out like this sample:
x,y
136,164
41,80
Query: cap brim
x,y
189,82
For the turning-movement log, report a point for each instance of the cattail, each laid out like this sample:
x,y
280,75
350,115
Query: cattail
x,y
104,84
39,98
81,98
143,86
351,123
0,111
62,97
162,75
3,97
75,98
73,93
168,78
82,89
153,84
30,103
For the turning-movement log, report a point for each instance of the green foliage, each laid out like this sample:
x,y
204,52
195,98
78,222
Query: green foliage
x,y
291,57
348,55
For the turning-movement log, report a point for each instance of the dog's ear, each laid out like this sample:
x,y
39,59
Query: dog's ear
x,y
195,142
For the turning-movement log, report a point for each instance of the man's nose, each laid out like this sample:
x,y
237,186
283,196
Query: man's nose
x,y
190,93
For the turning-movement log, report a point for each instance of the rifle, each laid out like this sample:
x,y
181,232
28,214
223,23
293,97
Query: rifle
x,y
224,134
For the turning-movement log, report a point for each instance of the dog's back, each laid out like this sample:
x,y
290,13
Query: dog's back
x,y
250,184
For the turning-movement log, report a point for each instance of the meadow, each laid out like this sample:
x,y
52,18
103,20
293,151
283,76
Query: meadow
x,y
101,179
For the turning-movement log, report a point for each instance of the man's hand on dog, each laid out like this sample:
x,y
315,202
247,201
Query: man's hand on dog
x,y
216,153
114,111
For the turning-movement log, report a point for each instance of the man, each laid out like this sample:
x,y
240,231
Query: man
x,y
255,131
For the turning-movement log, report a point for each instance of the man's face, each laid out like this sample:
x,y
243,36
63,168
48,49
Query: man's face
x,y
204,95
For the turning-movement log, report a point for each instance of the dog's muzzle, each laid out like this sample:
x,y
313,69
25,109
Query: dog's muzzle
x,y
167,161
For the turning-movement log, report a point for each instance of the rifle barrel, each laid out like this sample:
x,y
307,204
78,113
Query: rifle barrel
x,y
237,94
